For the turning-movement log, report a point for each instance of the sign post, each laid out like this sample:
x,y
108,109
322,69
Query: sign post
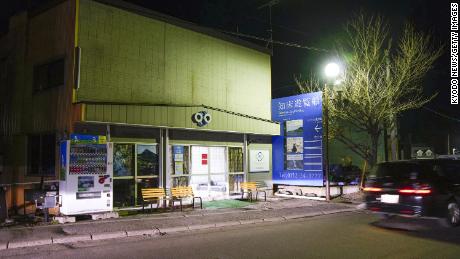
x,y
298,151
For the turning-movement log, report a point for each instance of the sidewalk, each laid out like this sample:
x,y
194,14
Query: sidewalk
x,y
274,209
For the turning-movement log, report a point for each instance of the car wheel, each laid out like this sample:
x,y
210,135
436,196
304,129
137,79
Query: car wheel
x,y
453,214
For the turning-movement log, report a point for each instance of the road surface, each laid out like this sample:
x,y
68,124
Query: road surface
x,y
345,235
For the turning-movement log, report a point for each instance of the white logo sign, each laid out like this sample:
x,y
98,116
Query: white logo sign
x,y
259,160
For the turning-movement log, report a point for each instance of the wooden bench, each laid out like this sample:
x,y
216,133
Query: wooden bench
x,y
250,188
151,195
181,192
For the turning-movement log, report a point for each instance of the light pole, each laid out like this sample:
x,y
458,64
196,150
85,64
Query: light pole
x,y
332,71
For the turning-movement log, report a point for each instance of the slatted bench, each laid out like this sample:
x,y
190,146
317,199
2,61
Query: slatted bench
x,y
182,192
251,188
151,195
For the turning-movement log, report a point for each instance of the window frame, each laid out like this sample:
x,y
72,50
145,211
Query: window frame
x,y
47,65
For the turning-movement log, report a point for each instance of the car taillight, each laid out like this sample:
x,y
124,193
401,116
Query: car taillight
x,y
372,189
422,190
412,191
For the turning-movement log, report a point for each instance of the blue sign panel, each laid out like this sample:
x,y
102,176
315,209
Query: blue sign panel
x,y
87,139
63,159
298,151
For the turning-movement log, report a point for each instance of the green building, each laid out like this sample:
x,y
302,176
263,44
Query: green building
x,y
110,68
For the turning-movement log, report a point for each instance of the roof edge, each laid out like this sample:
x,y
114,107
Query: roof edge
x,y
182,23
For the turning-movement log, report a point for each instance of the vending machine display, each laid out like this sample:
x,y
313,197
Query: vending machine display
x,y
86,184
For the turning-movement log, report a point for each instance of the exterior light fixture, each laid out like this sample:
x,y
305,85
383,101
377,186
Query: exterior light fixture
x,y
332,70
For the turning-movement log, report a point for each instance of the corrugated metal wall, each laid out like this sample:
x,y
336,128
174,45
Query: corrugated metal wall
x,y
177,117
133,59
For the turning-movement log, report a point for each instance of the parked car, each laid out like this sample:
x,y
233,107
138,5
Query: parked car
x,y
424,188
344,174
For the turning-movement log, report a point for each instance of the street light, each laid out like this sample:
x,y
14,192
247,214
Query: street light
x,y
332,71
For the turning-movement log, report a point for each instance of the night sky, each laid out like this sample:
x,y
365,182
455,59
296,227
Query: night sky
x,y
320,24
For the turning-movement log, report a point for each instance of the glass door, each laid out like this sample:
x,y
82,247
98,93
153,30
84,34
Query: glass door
x,y
218,183
235,169
135,166
199,174
147,168
123,175
209,172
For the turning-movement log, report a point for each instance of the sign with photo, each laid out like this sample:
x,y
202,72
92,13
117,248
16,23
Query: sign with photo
x,y
298,151
259,160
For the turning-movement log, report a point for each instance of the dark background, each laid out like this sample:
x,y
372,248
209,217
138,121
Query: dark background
x,y
320,24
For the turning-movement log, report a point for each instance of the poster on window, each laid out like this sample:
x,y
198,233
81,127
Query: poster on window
x,y
199,160
259,160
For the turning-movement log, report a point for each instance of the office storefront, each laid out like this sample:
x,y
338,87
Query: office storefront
x,y
138,86
213,163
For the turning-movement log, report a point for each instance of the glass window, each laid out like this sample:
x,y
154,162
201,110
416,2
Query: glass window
x,y
41,155
145,183
123,160
235,159
218,183
234,181
56,73
200,160
123,193
147,160
180,181
217,160
400,171
180,160
49,75
199,182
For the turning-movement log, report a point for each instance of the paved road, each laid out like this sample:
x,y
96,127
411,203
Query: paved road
x,y
346,235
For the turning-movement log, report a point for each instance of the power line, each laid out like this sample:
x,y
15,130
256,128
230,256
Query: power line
x,y
289,44
441,114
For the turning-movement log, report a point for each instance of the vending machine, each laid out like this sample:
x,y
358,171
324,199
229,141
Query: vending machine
x,y
86,184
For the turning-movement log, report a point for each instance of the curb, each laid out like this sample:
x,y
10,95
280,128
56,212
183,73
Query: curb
x,y
200,227
251,221
29,243
161,231
71,239
173,230
227,223
338,211
143,232
275,219
109,235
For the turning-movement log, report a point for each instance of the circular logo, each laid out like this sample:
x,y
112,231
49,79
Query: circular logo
x,y
259,156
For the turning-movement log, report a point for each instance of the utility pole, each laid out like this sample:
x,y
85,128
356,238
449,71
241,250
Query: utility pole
x,y
269,4
326,158
448,144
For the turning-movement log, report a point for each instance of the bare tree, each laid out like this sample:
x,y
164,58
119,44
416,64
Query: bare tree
x,y
380,81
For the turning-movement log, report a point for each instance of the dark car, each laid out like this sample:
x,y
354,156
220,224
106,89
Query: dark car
x,y
344,174
425,188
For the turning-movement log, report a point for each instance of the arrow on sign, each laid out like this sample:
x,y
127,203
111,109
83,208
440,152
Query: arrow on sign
x,y
317,128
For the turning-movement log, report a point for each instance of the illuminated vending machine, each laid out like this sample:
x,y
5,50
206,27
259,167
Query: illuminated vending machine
x,y
86,184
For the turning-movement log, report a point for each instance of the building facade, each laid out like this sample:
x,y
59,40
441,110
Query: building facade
x,y
138,77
